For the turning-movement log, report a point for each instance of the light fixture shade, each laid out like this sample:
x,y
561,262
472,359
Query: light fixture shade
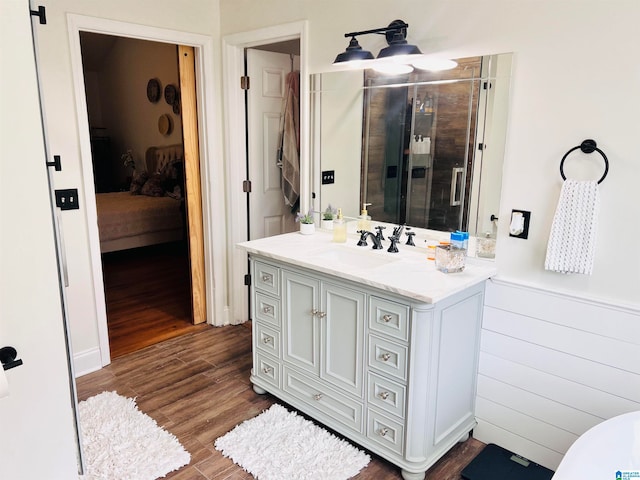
x,y
396,49
353,52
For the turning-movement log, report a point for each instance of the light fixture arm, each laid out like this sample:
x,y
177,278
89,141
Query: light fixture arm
x,y
397,26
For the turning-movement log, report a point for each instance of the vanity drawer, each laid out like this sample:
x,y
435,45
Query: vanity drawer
x,y
386,395
267,309
334,406
388,357
389,318
385,431
267,368
267,278
267,339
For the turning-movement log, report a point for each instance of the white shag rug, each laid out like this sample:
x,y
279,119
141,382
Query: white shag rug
x,y
122,443
281,445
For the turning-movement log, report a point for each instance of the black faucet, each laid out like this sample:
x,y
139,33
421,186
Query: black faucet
x,y
377,243
397,231
393,248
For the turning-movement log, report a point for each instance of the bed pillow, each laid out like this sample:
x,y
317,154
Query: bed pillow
x,y
155,186
137,182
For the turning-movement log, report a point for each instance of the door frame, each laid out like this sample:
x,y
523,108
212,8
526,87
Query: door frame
x,y
213,200
234,118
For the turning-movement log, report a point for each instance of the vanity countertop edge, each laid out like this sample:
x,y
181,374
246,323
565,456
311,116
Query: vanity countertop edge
x,y
407,273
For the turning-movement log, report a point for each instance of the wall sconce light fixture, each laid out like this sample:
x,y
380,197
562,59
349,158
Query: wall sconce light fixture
x,y
398,57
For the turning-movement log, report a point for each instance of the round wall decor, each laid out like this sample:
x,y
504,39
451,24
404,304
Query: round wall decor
x,y
170,94
153,90
165,124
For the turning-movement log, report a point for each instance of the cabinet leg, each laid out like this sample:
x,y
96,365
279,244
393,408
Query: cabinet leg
x,y
412,476
258,390
464,437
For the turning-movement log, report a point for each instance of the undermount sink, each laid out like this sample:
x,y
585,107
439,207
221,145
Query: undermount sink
x,y
360,257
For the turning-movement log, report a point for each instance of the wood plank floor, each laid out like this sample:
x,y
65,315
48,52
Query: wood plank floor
x,y
197,387
147,292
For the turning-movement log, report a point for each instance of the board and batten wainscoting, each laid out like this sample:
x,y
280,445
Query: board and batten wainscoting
x,y
551,367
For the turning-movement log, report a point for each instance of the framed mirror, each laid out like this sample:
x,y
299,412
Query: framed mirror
x,y
424,149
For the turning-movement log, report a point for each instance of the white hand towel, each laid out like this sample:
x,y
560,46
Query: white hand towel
x,y
572,242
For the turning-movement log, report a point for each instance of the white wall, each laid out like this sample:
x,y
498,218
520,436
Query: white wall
x,y
192,16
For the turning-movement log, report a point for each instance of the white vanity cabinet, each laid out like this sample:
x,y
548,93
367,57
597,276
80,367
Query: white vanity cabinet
x,y
394,375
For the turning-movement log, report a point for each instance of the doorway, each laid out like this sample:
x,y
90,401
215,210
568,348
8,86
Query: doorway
x,y
273,71
235,119
147,208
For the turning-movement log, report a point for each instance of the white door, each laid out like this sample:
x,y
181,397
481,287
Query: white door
x,y
36,418
268,213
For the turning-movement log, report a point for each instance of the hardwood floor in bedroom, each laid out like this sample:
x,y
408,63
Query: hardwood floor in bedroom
x,y
197,387
147,293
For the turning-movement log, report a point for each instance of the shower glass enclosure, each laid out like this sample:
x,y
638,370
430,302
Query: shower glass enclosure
x,y
419,140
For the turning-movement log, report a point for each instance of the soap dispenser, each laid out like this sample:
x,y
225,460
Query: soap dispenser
x,y
364,220
339,228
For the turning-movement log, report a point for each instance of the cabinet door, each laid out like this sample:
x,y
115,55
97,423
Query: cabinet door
x,y
300,315
342,321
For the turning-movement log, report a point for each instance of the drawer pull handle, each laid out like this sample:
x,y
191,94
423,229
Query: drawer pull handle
x,y
314,312
267,340
268,309
317,396
267,370
385,357
267,278
383,432
387,318
383,395
322,314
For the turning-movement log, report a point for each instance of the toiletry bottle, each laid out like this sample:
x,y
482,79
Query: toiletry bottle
x,y
339,228
364,220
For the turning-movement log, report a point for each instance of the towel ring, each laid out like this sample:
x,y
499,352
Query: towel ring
x,y
588,146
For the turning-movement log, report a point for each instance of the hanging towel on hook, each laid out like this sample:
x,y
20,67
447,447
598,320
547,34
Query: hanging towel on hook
x,y
289,159
572,242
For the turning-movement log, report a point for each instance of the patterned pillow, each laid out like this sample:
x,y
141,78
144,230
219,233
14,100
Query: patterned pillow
x,y
137,182
154,187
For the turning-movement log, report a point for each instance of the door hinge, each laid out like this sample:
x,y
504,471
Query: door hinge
x,y
247,280
246,186
486,85
41,13
245,83
55,164
481,146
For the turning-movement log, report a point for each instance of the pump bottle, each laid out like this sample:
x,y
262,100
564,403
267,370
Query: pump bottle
x,y
339,228
364,220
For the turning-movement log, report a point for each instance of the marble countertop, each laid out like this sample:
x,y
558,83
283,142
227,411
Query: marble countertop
x,y
407,273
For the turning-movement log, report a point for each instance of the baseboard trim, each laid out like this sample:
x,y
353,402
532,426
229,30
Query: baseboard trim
x,y
87,361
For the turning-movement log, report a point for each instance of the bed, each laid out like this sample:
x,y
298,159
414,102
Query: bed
x,y
152,212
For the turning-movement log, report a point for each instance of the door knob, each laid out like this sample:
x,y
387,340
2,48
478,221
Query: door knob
x,y
8,358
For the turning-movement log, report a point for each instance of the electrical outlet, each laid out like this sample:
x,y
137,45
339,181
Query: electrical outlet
x,y
67,199
328,176
519,225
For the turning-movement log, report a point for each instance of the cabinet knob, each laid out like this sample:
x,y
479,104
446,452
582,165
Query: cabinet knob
x,y
383,395
322,314
267,340
387,318
385,357
268,309
314,312
383,432
266,277
317,396
267,370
